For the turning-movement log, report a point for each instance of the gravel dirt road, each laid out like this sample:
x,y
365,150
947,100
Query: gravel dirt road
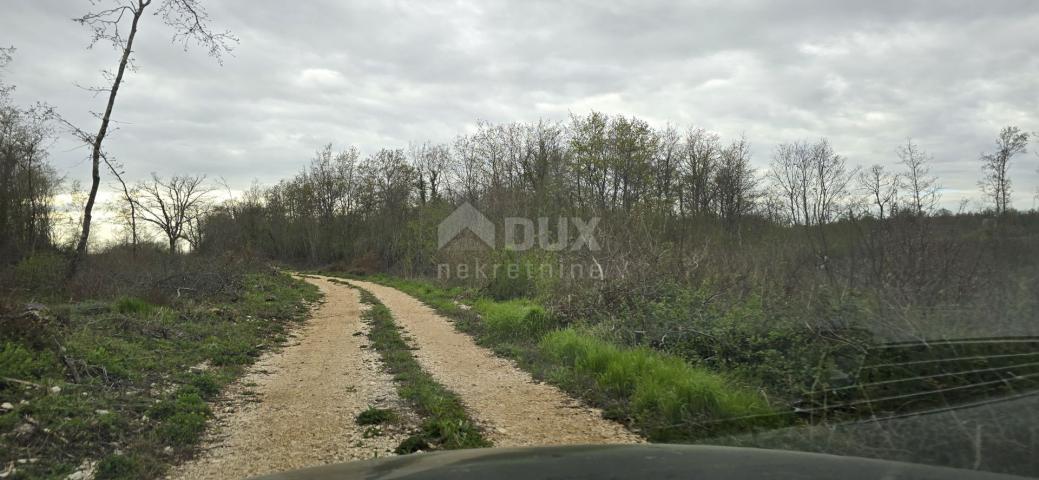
x,y
514,409
296,407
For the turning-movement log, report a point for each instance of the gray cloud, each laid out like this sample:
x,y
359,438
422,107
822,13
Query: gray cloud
x,y
864,74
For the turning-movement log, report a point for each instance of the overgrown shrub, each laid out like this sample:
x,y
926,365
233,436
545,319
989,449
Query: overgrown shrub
x,y
120,466
39,273
783,345
21,363
509,277
156,277
182,429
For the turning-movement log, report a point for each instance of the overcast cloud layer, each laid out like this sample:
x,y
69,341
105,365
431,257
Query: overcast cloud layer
x,y
380,74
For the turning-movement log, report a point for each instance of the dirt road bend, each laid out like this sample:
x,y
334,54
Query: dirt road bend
x,y
297,407
513,408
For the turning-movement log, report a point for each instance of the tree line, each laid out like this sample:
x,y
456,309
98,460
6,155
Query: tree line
x,y
343,205
28,184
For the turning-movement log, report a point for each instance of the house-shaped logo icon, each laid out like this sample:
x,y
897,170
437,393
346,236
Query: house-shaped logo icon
x,y
465,217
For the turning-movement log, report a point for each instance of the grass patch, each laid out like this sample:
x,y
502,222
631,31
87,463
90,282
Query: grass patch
x,y
376,416
132,377
119,466
445,424
132,306
513,320
668,399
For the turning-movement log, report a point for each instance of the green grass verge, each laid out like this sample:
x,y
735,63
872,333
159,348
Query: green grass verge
x,y
661,396
125,383
668,399
445,423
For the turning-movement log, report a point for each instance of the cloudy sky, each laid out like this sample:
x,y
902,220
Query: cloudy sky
x,y
383,73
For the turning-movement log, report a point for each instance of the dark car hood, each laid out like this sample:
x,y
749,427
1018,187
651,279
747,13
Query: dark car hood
x,y
649,461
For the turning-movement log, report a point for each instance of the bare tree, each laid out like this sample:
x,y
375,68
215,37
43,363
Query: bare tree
x,y
1035,197
431,162
813,179
194,226
702,151
173,205
329,179
833,181
189,21
5,58
469,170
128,193
881,187
815,183
734,182
791,176
996,181
921,186
491,144
666,167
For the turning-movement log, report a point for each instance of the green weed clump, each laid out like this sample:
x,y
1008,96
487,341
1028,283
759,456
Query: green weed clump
x,y
19,362
375,416
666,397
132,306
120,466
514,320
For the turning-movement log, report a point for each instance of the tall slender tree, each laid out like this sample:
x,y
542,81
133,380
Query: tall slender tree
x,y
921,187
996,181
880,187
119,25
